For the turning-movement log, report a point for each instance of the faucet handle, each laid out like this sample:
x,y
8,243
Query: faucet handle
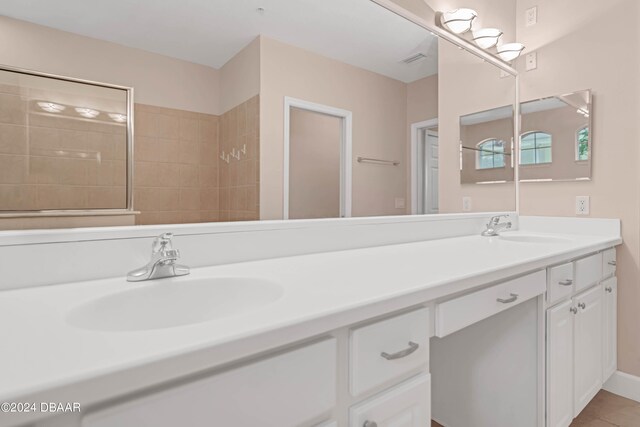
x,y
496,218
162,243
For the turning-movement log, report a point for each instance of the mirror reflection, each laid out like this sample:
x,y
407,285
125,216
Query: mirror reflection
x,y
555,143
358,114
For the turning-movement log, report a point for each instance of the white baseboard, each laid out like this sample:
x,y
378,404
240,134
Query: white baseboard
x,y
625,385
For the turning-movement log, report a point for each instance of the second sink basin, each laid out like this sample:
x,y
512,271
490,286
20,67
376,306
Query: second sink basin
x,y
175,302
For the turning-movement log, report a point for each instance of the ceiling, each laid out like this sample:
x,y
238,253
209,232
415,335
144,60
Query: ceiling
x,y
210,32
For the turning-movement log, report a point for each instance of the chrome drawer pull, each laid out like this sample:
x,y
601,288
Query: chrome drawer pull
x,y
567,282
608,289
370,424
582,305
402,353
573,310
613,263
508,300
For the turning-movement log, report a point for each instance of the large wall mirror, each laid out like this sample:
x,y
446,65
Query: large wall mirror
x,y
359,113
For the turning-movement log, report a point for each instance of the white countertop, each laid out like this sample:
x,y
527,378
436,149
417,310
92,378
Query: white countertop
x,y
44,358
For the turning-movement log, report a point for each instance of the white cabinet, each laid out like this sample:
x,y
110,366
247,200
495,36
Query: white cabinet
x,y
405,405
560,365
609,324
588,329
289,389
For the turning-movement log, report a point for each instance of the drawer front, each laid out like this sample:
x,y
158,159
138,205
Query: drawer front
x,y
609,262
405,405
387,349
588,271
458,313
560,282
285,390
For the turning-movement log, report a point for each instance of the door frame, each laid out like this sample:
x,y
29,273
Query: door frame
x,y
416,128
346,155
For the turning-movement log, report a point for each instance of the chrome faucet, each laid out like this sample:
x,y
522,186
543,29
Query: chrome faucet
x,y
494,226
162,264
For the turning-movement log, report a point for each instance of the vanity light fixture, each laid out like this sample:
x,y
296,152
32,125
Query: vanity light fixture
x,y
510,51
117,117
458,21
487,38
87,112
583,111
51,107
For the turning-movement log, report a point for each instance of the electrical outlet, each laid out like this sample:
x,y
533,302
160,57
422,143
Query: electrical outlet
x,y
466,204
531,16
399,202
531,61
582,205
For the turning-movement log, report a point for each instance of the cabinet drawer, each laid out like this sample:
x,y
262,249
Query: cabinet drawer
x,y
609,262
387,349
407,405
285,390
588,271
560,282
458,313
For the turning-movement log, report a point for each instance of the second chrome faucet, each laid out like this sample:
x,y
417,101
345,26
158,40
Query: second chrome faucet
x,y
162,263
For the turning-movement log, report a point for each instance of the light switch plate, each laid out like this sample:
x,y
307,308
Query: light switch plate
x,y
532,61
531,16
582,205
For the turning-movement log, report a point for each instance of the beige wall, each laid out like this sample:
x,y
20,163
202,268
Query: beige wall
x,y
563,125
240,77
158,80
593,44
314,173
378,105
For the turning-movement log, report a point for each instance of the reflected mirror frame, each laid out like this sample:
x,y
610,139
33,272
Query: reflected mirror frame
x,y
589,99
129,151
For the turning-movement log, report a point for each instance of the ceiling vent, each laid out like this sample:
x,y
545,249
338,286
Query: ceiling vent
x,y
414,58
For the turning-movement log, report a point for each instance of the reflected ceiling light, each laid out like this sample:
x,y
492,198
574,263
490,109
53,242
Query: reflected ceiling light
x,y
51,107
486,38
583,111
117,117
510,51
458,21
87,112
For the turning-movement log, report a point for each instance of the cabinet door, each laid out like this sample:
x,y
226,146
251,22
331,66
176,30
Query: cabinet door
x,y
560,365
406,405
588,347
609,336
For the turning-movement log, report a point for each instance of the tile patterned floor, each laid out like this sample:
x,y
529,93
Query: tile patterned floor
x,y
605,410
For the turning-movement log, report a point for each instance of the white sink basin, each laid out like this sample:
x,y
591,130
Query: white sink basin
x,y
160,304
531,238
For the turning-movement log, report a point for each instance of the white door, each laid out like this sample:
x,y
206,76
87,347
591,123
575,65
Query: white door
x,y
432,171
560,364
588,347
609,339
406,405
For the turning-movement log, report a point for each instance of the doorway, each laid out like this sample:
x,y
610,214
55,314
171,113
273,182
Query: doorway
x,y
424,168
317,161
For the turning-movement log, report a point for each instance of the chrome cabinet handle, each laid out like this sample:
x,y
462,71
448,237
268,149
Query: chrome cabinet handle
x,y
573,310
613,263
608,289
508,300
582,305
402,353
370,424
567,282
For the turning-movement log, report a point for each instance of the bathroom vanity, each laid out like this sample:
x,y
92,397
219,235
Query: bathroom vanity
x,y
390,334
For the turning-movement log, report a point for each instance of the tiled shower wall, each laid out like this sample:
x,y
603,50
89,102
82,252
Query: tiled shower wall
x,y
239,178
179,176
176,167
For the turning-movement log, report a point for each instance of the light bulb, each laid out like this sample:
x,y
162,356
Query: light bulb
x,y
510,51
117,117
88,112
486,38
51,107
458,21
